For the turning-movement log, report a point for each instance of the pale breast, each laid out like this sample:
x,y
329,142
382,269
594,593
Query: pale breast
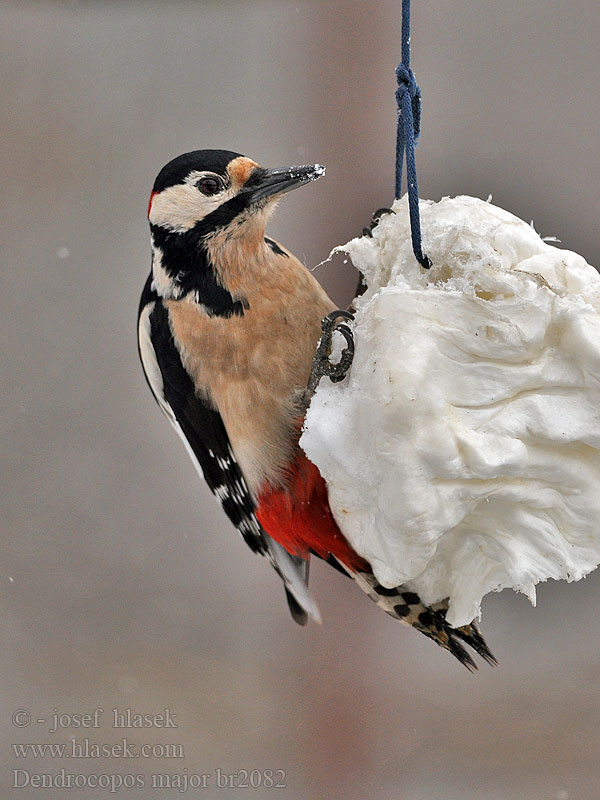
x,y
254,367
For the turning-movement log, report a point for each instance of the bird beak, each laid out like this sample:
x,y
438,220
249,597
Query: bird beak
x,y
268,182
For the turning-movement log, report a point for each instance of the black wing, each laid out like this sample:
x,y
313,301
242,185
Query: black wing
x,y
203,432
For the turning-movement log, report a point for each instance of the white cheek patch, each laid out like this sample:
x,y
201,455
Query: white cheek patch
x,y
179,208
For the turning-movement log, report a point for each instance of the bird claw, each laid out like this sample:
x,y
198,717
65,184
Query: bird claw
x,y
377,215
322,364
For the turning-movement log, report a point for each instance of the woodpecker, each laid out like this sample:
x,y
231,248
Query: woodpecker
x,y
229,322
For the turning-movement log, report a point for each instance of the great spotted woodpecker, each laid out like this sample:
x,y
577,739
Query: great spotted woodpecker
x,y
229,322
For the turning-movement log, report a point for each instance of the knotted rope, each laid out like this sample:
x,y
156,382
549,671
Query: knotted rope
x,y
408,98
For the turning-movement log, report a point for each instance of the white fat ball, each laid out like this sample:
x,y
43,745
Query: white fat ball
x,y
462,451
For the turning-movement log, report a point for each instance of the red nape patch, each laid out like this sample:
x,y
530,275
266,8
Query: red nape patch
x,y
150,203
299,517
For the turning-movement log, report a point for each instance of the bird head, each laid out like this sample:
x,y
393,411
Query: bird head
x,y
209,190
206,200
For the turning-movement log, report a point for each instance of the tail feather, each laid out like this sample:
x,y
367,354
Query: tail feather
x,y
469,634
406,606
298,613
472,636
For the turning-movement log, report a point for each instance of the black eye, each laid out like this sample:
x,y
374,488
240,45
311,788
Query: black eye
x,y
209,186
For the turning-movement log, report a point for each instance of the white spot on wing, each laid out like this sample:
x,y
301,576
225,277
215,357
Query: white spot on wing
x,y
222,492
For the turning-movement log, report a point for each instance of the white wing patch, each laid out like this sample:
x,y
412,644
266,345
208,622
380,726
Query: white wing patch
x,y
278,555
152,370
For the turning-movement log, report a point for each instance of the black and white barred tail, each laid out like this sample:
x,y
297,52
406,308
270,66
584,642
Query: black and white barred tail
x,y
429,620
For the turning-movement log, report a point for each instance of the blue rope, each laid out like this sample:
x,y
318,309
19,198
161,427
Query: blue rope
x,y
408,98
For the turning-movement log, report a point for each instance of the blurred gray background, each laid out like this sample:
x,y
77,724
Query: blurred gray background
x,y
121,583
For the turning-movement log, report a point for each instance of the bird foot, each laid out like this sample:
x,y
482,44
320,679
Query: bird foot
x,y
377,215
322,364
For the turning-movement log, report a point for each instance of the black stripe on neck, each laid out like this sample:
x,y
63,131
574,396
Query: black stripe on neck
x,y
222,216
186,261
